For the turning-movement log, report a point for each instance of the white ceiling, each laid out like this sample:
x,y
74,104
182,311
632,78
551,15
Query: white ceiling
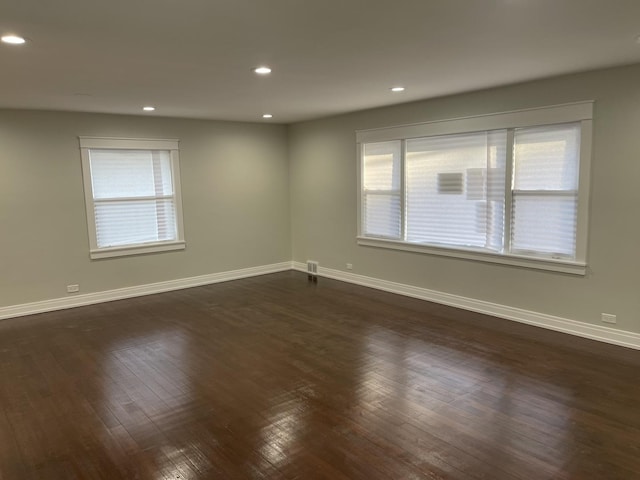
x,y
193,58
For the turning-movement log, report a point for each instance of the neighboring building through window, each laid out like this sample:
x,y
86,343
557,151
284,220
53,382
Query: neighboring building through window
x,y
132,194
507,188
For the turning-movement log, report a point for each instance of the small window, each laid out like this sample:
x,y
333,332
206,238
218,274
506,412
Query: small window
x,y
132,193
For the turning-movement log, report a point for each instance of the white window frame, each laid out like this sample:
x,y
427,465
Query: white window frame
x,y
580,112
171,145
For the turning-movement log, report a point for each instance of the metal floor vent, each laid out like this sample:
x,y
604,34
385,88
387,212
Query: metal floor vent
x,y
312,270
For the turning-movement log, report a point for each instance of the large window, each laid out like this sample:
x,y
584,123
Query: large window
x,y
506,188
132,193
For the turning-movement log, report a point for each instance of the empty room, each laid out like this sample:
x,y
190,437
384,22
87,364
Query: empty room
x,y
246,239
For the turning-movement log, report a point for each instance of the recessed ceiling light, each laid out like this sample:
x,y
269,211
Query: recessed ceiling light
x,y
13,39
397,89
148,109
262,70
267,115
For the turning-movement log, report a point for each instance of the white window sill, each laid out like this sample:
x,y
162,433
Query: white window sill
x,y
136,249
556,265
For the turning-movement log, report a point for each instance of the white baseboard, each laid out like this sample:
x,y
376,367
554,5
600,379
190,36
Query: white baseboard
x,y
565,325
137,291
573,327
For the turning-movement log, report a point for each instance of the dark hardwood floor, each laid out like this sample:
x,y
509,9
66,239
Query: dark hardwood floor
x,y
274,377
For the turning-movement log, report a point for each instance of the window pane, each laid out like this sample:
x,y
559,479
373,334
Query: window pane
x,y
455,189
133,222
545,224
382,215
130,173
547,158
381,166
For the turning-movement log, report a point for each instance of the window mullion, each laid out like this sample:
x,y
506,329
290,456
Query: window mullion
x,y
508,190
403,217
362,191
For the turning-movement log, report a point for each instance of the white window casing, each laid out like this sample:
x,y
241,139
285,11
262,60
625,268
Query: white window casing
x,y
132,196
509,188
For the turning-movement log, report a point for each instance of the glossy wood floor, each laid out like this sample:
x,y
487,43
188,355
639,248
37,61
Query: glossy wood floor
x,y
274,377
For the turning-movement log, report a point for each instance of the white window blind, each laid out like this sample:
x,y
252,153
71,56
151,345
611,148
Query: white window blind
x,y
545,189
133,201
518,192
133,197
381,189
455,189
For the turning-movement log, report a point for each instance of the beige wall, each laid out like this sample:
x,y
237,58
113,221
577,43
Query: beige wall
x,y
255,193
234,191
323,162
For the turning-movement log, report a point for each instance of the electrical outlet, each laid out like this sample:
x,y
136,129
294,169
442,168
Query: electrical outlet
x,y
608,318
349,266
73,288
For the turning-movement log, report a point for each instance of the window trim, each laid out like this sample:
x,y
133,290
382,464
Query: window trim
x,y
579,112
171,145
